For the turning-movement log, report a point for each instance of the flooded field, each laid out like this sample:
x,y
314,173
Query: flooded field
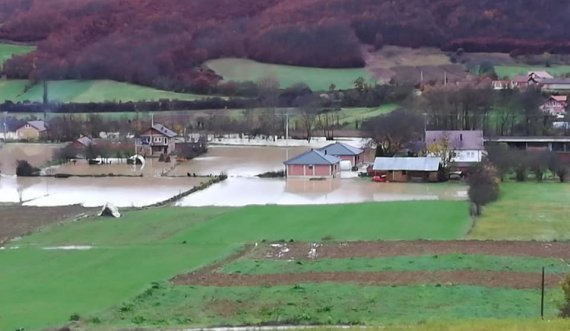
x,y
90,192
256,191
238,161
37,154
151,168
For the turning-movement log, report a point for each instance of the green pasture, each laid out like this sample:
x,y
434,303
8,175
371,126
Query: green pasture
x,y
511,71
43,288
527,211
335,304
318,79
349,116
8,50
84,91
447,262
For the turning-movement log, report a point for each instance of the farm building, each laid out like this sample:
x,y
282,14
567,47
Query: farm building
x,y
313,164
32,130
555,105
468,146
344,152
407,169
556,85
156,140
82,142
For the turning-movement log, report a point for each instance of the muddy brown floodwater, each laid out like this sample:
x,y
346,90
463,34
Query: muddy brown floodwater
x,y
90,192
238,161
257,191
37,154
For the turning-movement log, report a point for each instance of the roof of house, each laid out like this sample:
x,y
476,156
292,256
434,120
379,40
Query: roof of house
x,y
337,149
520,79
312,157
540,74
459,140
84,140
164,130
38,125
559,98
556,81
406,163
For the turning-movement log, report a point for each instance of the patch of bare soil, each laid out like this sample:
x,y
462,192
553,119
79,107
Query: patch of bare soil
x,y
516,280
372,249
16,220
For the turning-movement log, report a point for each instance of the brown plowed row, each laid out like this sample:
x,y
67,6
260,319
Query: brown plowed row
x,y
371,249
516,280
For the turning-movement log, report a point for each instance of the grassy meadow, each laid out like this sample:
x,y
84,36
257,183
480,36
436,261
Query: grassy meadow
x,y
44,287
9,50
324,304
511,71
318,79
527,211
84,91
447,262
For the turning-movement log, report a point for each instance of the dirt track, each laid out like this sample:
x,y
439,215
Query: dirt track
x,y
367,249
16,220
515,280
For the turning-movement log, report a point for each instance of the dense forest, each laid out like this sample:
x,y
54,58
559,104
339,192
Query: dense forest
x,y
162,43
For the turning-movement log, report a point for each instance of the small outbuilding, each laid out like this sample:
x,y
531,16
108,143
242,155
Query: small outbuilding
x,y
313,164
344,152
408,169
32,130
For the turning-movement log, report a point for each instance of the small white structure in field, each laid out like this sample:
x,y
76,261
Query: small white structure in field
x,y
110,210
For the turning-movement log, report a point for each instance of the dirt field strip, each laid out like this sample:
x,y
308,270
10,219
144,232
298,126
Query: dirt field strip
x,y
372,249
16,220
516,280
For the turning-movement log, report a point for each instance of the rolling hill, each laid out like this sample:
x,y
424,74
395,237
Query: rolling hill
x,y
149,43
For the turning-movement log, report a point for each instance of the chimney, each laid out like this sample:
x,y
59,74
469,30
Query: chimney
x,y
326,152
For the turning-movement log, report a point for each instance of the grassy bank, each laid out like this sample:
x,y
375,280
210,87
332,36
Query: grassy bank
x,y
318,79
527,211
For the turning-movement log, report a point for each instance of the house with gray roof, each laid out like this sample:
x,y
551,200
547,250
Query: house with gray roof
x,y
313,164
406,169
468,146
156,140
344,152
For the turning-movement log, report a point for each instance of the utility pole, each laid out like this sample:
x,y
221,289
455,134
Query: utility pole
x,y
45,99
5,127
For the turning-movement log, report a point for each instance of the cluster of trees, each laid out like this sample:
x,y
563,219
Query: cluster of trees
x,y
503,113
521,163
483,187
102,148
163,43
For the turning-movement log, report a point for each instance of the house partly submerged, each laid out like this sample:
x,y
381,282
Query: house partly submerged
x,y
313,164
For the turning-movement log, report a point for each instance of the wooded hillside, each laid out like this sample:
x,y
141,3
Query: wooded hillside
x,y
163,42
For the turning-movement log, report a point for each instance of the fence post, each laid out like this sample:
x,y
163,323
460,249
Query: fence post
x,y
542,296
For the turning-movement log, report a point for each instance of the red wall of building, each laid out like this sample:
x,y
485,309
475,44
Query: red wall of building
x,y
315,171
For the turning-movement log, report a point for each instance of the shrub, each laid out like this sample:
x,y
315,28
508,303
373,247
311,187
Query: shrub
x,y
565,309
483,186
25,169
74,317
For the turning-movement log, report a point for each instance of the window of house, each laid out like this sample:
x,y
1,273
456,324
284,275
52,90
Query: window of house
x,y
404,172
310,167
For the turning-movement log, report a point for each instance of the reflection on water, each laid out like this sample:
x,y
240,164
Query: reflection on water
x,y
239,161
90,192
255,191
37,154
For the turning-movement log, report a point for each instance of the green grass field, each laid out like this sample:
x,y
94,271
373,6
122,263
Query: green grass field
x,y
527,211
400,263
44,287
318,79
8,50
511,71
349,116
337,304
85,91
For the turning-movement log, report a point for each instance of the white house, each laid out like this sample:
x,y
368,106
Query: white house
x,y
468,146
